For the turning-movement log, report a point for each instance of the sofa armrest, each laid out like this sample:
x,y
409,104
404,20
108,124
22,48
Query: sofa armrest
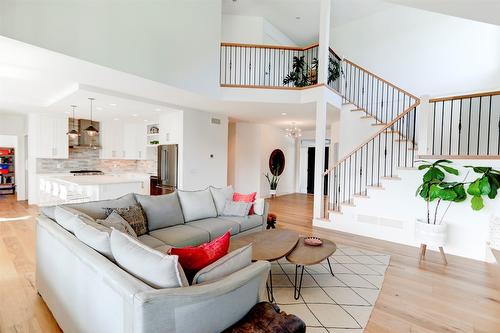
x,y
192,309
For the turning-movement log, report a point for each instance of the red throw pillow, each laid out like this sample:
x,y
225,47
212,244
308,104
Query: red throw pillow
x,y
194,258
245,198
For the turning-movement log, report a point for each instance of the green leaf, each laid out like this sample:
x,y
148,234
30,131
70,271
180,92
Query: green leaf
x,y
442,161
460,191
424,191
433,174
434,192
484,186
474,189
424,166
495,184
479,169
451,170
447,194
477,202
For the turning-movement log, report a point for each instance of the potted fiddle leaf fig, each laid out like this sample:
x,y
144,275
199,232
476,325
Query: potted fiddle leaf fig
x,y
436,189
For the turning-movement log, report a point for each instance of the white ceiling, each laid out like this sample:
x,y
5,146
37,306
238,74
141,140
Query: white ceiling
x,y
487,11
282,14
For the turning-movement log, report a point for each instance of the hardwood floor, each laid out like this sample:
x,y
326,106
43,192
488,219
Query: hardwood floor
x,y
428,297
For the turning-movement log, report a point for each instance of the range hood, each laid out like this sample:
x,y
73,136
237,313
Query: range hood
x,y
84,141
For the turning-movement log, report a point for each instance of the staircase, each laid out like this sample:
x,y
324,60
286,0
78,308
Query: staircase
x,y
392,146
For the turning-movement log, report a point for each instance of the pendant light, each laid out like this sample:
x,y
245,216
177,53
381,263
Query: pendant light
x,y
73,134
91,130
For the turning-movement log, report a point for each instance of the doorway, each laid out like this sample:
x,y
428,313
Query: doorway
x,y
311,153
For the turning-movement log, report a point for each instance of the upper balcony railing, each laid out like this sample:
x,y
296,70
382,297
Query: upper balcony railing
x,y
465,126
270,66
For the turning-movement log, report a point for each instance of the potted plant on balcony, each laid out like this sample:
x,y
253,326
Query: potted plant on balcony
x,y
436,189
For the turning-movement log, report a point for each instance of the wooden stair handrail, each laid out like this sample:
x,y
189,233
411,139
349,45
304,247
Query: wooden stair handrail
x,y
264,46
475,95
411,107
381,79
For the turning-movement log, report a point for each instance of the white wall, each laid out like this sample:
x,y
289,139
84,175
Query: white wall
x,y
204,150
353,130
252,30
423,52
173,42
253,144
12,131
390,214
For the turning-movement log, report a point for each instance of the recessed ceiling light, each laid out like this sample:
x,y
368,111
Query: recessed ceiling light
x,y
157,109
135,115
116,119
98,108
283,113
146,120
112,104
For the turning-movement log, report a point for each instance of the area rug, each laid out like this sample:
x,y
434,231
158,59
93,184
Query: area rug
x,y
339,304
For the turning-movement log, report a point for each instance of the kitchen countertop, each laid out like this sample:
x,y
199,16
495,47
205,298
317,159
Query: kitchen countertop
x,y
95,180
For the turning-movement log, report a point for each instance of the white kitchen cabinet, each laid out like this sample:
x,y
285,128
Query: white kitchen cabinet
x,y
123,141
170,127
53,140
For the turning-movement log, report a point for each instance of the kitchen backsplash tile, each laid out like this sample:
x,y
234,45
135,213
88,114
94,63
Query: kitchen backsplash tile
x,y
88,159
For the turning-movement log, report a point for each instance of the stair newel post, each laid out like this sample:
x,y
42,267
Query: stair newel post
x,y
423,125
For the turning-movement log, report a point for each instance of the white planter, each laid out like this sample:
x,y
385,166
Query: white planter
x,y
431,234
495,233
272,192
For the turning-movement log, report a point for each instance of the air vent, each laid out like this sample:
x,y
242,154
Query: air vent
x,y
215,121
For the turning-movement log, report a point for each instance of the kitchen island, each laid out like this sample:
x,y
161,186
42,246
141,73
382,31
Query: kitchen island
x,y
60,189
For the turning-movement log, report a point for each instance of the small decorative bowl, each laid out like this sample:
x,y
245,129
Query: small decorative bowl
x,y
313,241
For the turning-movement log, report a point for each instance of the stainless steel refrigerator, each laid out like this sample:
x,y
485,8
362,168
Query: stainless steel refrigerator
x,y
167,166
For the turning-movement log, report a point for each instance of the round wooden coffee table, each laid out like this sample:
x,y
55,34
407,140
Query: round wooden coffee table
x,y
306,255
268,245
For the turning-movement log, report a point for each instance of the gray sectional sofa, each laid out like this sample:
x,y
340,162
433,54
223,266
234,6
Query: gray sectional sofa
x,y
88,292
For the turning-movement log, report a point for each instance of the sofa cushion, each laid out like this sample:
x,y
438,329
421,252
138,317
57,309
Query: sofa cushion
x,y
181,235
134,215
245,198
94,235
197,205
95,209
155,268
227,265
162,210
236,208
150,241
115,221
50,212
64,216
216,226
246,222
221,195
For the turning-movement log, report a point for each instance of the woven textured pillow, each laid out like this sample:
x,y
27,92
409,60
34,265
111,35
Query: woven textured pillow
x,y
134,216
236,208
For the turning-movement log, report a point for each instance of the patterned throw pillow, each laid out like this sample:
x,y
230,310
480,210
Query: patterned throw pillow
x,y
134,216
115,221
245,198
236,208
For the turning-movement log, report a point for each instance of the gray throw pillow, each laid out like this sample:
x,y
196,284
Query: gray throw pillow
x,y
64,216
227,265
134,216
236,208
221,195
96,209
50,212
162,211
94,235
115,221
197,205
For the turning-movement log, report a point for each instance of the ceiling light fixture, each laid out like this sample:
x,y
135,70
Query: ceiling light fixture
x,y
157,109
293,132
112,104
98,108
135,115
283,113
91,130
73,134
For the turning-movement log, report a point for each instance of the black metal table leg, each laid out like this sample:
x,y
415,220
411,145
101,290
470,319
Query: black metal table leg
x,y
269,287
296,291
330,266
